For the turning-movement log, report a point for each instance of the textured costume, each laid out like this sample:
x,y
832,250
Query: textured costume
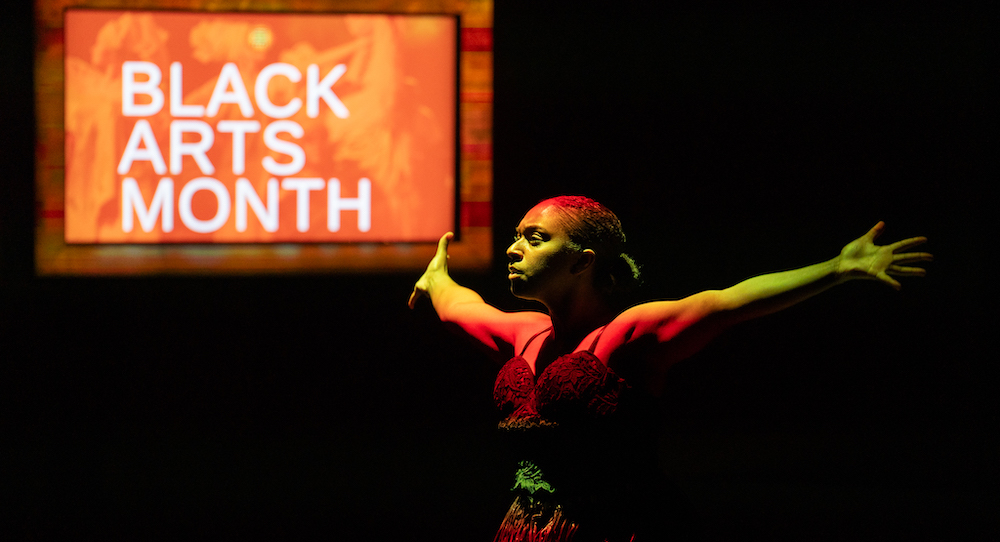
x,y
585,452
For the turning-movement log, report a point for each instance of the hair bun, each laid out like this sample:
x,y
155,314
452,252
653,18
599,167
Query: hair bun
x,y
625,275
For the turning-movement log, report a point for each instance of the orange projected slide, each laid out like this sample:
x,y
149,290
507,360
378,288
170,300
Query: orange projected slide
x,y
185,127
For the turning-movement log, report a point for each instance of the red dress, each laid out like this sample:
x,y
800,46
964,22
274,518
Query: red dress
x,y
576,432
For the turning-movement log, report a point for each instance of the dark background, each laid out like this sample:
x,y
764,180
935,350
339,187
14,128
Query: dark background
x,y
730,142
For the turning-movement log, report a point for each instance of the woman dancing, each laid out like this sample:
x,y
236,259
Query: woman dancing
x,y
577,381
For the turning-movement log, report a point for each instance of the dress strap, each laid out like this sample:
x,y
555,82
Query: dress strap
x,y
593,345
533,337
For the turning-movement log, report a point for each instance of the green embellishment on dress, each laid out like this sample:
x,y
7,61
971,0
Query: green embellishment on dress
x,y
529,478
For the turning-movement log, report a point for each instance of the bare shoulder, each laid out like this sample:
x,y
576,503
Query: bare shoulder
x,y
527,324
655,321
499,332
653,315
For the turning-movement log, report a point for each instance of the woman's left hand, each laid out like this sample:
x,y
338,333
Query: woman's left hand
x,y
863,259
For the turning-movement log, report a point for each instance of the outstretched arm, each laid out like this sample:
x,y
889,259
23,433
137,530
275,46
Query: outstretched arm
x,y
466,311
860,259
681,328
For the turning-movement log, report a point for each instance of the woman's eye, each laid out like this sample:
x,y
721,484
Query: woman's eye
x,y
533,238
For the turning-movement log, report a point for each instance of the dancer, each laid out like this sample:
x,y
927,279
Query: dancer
x,y
577,382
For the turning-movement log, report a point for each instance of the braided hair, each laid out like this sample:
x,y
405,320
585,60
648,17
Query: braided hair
x,y
592,225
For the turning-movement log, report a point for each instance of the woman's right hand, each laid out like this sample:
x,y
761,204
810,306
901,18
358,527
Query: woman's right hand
x,y
438,265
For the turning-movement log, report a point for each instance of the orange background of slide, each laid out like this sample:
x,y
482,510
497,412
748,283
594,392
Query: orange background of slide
x,y
399,87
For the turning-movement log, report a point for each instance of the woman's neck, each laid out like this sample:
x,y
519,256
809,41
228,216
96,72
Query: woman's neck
x,y
573,320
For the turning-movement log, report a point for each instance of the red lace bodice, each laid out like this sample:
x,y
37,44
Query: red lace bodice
x,y
574,387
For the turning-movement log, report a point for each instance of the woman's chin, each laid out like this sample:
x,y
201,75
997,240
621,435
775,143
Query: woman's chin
x,y
518,287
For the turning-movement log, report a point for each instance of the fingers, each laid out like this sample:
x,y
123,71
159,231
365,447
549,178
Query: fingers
x,y
414,296
901,271
906,244
876,230
438,263
893,283
911,257
443,242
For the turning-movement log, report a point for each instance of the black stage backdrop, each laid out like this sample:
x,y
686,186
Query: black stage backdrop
x,y
730,143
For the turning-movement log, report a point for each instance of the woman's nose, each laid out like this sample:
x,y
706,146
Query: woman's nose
x,y
513,254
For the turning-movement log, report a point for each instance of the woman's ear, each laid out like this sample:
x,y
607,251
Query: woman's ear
x,y
585,260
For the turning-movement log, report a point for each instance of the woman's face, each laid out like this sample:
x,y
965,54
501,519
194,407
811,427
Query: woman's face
x,y
541,256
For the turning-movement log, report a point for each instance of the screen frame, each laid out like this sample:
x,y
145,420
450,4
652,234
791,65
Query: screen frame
x,y
470,250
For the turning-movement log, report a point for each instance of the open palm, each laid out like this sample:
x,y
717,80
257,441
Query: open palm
x,y
862,258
